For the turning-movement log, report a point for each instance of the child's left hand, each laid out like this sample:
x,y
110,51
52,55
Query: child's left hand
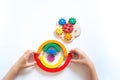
x,y
27,60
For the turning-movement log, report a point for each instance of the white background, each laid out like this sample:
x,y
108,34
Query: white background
x,y
25,24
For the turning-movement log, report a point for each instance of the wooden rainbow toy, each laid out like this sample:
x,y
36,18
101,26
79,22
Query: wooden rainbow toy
x,y
46,56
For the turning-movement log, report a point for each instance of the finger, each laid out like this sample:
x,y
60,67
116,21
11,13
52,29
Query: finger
x,y
74,56
34,53
77,51
74,61
30,52
72,51
31,64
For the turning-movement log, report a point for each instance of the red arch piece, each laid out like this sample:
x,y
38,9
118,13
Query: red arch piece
x,y
55,69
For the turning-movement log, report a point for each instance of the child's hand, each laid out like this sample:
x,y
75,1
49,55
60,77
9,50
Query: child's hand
x,y
78,56
26,60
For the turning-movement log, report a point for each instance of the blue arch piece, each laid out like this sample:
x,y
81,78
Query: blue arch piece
x,y
52,48
51,51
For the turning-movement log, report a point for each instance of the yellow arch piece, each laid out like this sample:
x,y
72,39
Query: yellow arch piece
x,y
51,66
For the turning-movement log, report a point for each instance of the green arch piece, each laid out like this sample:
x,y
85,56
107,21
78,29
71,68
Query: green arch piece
x,y
57,47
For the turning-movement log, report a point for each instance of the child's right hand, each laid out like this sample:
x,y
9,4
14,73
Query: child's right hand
x,y
78,56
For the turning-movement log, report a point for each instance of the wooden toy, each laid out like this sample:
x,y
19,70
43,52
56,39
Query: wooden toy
x,y
51,48
67,30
